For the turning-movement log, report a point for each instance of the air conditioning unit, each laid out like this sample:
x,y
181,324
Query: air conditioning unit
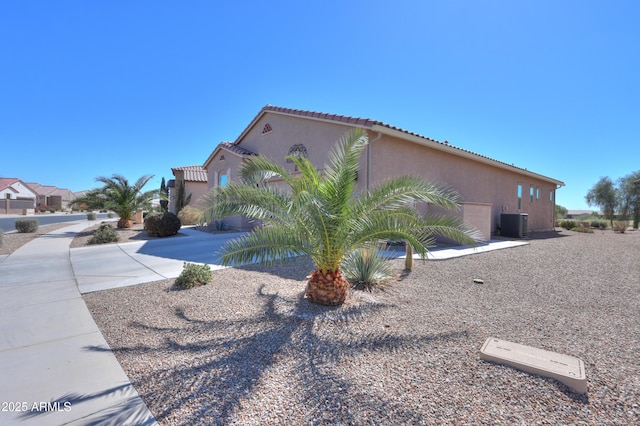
x,y
514,225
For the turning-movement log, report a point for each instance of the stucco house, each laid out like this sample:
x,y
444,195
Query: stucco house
x,y
16,196
195,183
52,196
488,187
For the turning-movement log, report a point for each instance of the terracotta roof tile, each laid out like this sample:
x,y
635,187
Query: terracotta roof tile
x,y
192,173
7,182
236,149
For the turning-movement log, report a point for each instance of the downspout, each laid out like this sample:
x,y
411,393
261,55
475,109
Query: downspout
x,y
369,159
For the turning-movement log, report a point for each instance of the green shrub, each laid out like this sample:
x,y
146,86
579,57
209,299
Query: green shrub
x,y
568,224
91,216
190,216
162,225
27,225
193,275
620,226
368,267
104,234
110,215
598,223
583,229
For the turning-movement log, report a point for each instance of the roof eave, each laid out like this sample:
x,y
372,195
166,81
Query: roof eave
x,y
459,152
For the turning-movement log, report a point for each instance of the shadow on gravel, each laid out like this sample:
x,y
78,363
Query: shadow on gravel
x,y
218,365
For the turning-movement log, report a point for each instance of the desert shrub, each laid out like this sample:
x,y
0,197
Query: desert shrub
x,y
110,215
1,237
162,225
568,224
193,275
190,216
367,267
620,226
27,225
104,234
91,216
583,229
599,223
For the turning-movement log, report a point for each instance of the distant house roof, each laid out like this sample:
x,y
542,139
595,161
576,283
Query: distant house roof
x,y
381,127
192,173
7,183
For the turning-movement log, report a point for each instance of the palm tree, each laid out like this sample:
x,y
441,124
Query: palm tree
x,y
321,216
121,197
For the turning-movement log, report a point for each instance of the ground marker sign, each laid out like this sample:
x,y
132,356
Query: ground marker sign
x,y
564,368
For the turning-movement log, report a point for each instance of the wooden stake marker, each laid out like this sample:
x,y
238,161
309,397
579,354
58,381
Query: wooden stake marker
x,y
563,368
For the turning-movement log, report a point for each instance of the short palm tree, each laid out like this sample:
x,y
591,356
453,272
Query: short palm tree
x,y
120,196
319,215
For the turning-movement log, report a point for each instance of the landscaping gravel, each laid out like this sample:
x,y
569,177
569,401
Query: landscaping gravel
x,y
247,349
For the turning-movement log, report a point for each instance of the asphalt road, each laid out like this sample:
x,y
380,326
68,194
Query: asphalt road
x,y
7,223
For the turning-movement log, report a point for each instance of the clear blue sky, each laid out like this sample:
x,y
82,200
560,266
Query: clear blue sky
x,y
92,88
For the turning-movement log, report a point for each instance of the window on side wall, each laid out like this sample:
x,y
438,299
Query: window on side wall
x,y
223,179
551,195
519,196
531,194
537,194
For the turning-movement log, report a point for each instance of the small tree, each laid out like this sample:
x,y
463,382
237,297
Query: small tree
x,y
120,196
629,197
164,196
321,215
561,212
603,195
181,200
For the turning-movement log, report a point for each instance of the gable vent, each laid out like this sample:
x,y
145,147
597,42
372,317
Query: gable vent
x,y
266,129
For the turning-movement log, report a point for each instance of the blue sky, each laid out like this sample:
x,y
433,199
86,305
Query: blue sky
x,y
136,87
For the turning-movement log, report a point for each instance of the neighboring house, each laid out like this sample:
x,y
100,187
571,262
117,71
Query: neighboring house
x,y
16,196
487,187
575,214
195,183
52,196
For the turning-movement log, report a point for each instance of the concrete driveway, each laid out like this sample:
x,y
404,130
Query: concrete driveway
x,y
118,265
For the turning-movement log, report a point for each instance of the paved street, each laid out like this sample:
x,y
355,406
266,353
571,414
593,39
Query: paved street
x,y
7,221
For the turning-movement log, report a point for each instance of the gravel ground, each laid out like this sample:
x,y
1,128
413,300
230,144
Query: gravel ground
x,y
248,349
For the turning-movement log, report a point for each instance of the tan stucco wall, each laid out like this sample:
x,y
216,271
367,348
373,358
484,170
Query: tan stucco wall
x,y
488,190
475,182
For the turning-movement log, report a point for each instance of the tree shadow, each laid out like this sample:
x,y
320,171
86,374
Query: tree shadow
x,y
222,369
123,407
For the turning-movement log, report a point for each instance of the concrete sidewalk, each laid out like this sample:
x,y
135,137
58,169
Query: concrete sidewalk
x,y
56,366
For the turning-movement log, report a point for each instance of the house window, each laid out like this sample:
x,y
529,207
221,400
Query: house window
x,y
531,194
223,179
298,151
519,196
551,195
537,193
8,196
266,129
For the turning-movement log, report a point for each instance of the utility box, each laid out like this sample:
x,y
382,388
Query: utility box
x,y
514,225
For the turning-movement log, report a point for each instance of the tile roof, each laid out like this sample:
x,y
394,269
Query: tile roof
x,y
236,149
7,182
192,173
375,125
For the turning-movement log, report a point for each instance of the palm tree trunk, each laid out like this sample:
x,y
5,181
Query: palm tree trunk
x,y
327,289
